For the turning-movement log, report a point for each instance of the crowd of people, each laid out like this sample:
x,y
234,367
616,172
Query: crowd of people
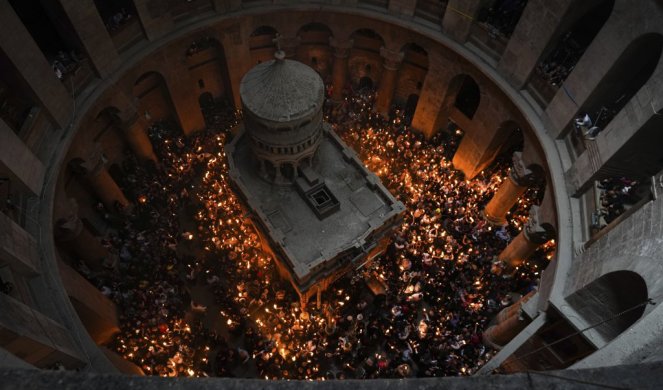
x,y
198,296
118,20
65,63
560,62
616,194
502,15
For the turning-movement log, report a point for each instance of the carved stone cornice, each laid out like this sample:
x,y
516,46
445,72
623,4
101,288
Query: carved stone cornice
x,y
392,58
535,230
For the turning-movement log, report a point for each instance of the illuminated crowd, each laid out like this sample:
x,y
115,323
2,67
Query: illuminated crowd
x,y
198,296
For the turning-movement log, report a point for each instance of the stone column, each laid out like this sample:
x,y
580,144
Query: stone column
x,y
515,185
388,80
511,310
24,54
18,248
70,232
92,33
36,338
533,34
459,18
501,333
341,52
235,40
154,18
96,175
432,111
533,235
96,311
135,132
482,142
18,163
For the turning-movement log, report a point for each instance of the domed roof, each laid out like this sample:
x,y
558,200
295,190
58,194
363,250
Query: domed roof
x,y
282,90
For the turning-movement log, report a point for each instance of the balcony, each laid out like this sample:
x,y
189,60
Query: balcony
x,y
488,40
127,35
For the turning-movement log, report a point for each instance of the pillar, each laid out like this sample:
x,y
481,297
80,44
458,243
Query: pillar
x,y
96,311
70,232
533,34
482,142
96,175
18,163
515,185
500,334
154,18
36,338
24,54
534,234
18,248
341,53
459,17
92,33
135,132
184,93
388,80
235,41
511,310
431,113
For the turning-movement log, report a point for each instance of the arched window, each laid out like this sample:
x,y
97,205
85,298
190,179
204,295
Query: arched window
x,y
611,302
560,59
468,96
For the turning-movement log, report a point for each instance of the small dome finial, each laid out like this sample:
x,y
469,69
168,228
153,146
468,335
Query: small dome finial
x,y
279,55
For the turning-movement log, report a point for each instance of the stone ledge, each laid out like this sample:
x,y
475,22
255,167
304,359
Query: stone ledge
x,y
640,376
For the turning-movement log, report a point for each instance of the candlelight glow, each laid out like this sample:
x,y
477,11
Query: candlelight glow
x,y
199,296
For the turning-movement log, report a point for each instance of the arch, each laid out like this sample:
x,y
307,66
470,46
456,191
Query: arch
x,y
154,100
410,107
365,59
412,73
467,94
367,39
314,49
205,99
207,63
626,76
261,44
366,83
313,28
566,50
611,294
415,55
